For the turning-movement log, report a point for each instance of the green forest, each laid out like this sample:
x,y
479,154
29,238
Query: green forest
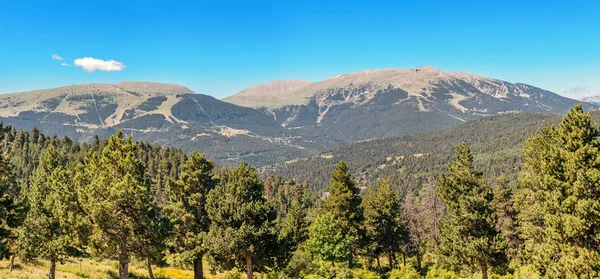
x,y
132,202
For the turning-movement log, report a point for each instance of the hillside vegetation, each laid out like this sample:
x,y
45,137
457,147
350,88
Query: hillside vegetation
x,y
133,210
412,161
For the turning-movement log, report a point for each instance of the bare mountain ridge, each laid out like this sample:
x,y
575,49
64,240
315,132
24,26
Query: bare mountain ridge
x,y
395,102
420,82
96,105
268,94
344,109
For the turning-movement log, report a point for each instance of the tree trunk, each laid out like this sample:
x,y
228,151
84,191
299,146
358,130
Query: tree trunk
x,y
391,260
484,274
52,274
249,272
198,272
12,263
150,273
378,264
123,261
419,261
351,261
403,259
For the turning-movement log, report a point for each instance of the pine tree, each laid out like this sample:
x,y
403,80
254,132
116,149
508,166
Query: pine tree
x,y
12,208
292,224
559,198
117,197
383,226
48,231
422,215
344,203
507,215
186,209
469,235
242,231
327,241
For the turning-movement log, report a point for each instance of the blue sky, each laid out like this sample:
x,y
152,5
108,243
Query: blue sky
x,y
221,47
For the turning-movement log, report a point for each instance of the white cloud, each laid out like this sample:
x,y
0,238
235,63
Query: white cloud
x,y
56,57
65,64
90,64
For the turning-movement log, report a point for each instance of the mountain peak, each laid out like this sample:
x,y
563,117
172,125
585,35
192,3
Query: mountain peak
x,y
414,81
425,69
153,87
267,94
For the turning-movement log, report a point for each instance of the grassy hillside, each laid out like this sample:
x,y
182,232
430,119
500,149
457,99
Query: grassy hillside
x,y
410,161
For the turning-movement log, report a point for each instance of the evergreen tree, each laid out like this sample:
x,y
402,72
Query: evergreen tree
x,y
469,235
383,226
242,230
559,198
187,211
292,224
422,215
153,238
117,197
344,203
507,215
48,231
327,240
12,208
415,223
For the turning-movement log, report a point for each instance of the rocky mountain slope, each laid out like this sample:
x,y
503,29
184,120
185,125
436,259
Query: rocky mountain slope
x,y
594,99
166,114
394,102
279,121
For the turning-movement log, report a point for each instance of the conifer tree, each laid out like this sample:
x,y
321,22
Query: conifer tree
x,y
186,209
469,235
117,197
292,222
48,231
507,215
384,230
415,218
344,203
12,208
559,198
422,215
327,241
242,232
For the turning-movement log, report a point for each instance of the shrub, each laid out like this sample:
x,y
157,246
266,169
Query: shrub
x,y
232,274
405,272
344,273
300,265
526,272
438,273
365,274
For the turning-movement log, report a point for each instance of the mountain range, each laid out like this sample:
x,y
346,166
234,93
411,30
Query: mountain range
x,y
278,121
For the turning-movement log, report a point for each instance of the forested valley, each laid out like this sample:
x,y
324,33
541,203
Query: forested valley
x,y
136,204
